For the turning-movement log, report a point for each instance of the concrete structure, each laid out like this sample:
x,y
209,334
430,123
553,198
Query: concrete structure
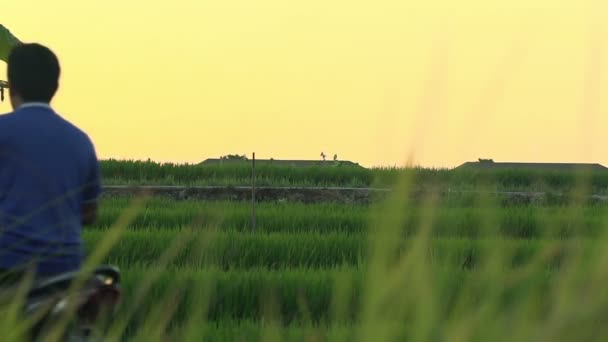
x,y
281,162
490,164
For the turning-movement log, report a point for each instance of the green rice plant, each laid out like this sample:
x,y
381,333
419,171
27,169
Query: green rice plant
x,y
234,249
235,294
147,172
508,179
239,250
240,294
448,221
234,215
252,330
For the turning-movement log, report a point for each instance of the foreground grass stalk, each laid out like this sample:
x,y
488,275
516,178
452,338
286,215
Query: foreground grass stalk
x,y
91,262
138,298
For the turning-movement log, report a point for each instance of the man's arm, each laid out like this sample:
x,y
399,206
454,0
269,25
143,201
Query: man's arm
x,y
89,213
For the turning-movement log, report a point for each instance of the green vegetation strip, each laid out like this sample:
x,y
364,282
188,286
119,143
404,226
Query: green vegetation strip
x,y
251,330
148,173
518,222
305,295
141,172
232,249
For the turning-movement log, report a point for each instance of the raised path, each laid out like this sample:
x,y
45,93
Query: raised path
x,y
313,194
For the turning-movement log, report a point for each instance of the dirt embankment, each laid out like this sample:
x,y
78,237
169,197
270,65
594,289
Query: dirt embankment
x,y
263,194
360,196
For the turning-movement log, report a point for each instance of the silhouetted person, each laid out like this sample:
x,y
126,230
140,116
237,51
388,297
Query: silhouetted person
x,y
49,172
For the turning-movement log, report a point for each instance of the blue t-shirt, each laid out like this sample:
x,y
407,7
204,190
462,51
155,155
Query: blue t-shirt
x,y
48,170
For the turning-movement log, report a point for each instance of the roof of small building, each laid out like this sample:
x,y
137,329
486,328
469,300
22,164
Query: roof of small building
x,y
490,164
282,162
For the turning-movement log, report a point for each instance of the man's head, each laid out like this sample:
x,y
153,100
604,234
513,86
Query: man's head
x,y
33,74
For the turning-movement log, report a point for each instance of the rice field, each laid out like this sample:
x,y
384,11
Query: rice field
x,y
466,268
152,173
461,268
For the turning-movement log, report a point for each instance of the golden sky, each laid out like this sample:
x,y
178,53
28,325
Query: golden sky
x,y
373,81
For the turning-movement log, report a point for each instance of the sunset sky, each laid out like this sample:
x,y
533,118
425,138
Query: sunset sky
x,y
376,82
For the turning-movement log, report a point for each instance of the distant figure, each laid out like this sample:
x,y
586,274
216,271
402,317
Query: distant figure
x,y
49,173
323,156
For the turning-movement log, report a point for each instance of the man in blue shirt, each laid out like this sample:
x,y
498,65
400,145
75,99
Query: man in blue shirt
x,y
49,172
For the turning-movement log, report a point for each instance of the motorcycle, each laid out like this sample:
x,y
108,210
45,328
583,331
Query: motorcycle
x,y
96,300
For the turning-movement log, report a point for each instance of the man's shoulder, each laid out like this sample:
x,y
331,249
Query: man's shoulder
x,y
6,119
76,131
4,116
57,122
69,125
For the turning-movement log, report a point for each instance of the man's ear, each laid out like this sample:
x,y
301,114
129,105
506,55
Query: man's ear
x,y
16,99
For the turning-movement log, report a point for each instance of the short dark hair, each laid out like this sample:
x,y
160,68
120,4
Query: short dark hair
x,y
33,72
